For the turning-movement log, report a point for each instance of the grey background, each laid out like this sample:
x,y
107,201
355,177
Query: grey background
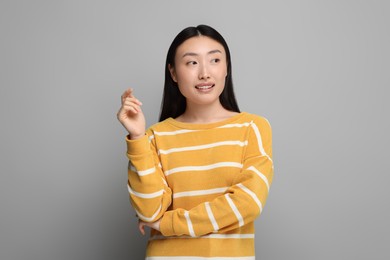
x,y
318,70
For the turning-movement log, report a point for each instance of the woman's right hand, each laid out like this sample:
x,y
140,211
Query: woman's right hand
x,y
130,115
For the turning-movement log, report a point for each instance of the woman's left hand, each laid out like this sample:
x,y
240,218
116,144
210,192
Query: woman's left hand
x,y
154,225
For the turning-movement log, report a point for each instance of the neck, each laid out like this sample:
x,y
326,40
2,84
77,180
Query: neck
x,y
195,113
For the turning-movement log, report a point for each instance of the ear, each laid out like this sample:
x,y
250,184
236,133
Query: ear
x,y
173,73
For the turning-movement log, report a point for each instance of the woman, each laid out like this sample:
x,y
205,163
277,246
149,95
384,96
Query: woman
x,y
200,176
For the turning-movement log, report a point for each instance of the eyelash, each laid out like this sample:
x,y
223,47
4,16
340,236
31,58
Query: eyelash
x,y
194,62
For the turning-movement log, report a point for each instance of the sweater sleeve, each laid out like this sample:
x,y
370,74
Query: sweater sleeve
x,y
148,189
241,203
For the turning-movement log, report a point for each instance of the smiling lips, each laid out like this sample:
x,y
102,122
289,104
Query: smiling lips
x,y
204,86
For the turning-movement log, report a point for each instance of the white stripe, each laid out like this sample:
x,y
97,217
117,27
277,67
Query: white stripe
x,y
258,137
175,132
141,173
203,167
146,172
235,210
152,218
199,258
252,194
204,146
145,195
211,217
164,181
151,138
189,223
259,141
235,125
262,176
212,236
199,192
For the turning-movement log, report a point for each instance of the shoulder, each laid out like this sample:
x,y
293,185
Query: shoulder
x,y
258,120
260,134
260,128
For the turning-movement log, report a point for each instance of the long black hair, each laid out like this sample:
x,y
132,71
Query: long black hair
x,y
173,102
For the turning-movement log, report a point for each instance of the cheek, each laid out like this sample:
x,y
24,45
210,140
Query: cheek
x,y
178,74
223,74
183,81
184,75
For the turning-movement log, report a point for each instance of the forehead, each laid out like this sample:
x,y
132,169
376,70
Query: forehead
x,y
200,45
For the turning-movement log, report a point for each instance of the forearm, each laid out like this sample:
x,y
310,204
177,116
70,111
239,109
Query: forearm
x,y
149,193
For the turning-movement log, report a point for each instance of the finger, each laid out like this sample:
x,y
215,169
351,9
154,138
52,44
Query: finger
x,y
131,90
136,100
141,227
127,93
130,104
130,108
133,99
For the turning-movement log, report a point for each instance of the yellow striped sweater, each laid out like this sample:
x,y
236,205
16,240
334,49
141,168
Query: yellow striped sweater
x,y
206,182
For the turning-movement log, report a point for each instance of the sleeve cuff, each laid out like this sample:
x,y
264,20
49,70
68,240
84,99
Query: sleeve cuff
x,y
138,146
166,224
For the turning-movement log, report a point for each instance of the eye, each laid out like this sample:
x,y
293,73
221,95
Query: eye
x,y
191,63
215,60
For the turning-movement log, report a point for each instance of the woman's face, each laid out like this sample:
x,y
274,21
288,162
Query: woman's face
x,y
200,70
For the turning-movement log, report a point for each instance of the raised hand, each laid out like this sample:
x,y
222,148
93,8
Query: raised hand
x,y
130,115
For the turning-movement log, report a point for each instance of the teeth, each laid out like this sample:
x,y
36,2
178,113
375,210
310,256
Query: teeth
x,y
203,87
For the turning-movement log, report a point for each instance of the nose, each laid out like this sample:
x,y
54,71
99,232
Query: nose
x,y
204,72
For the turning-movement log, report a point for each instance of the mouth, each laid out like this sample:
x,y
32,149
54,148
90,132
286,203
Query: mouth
x,y
204,86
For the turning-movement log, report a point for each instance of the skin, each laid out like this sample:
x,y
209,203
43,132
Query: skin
x,y
201,60
200,71
131,116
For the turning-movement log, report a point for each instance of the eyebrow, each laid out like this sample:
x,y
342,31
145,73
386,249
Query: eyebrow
x,y
195,54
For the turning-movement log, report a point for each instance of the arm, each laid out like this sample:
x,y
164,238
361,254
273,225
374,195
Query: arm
x,y
241,203
148,190
149,194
